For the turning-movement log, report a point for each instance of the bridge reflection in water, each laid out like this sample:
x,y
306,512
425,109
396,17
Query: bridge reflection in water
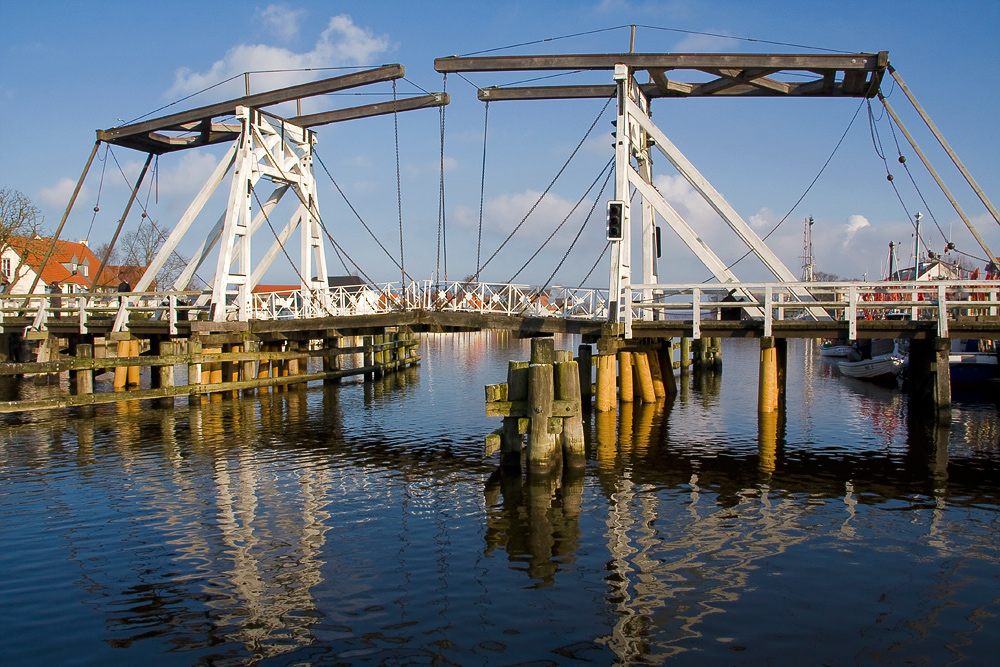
x,y
360,524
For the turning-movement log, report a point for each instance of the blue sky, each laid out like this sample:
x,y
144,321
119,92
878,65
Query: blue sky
x,y
69,68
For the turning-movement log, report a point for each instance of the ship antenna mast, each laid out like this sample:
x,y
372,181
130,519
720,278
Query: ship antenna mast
x,y
808,263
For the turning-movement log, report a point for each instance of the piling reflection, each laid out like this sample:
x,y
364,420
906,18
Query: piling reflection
x,y
535,518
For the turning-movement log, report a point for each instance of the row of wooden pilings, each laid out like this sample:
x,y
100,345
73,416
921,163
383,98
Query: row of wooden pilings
x,y
213,367
545,398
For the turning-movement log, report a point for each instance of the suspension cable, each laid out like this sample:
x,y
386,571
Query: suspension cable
x,y
354,211
482,190
567,216
441,230
100,187
586,221
552,183
399,188
805,192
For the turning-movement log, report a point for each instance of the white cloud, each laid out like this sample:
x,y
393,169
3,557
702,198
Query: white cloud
x,y
341,44
57,196
855,223
502,214
282,20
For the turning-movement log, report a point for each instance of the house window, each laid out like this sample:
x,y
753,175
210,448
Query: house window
x,y
5,267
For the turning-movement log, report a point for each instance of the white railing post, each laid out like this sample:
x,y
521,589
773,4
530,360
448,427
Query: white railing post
x,y
852,308
81,304
768,310
695,313
942,297
172,313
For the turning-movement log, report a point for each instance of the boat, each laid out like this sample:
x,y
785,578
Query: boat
x,y
970,362
835,348
877,361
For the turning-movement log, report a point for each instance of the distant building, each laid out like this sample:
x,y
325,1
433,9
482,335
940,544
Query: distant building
x,y
69,268
933,269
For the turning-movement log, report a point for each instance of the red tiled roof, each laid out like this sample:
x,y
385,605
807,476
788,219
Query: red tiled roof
x,y
32,252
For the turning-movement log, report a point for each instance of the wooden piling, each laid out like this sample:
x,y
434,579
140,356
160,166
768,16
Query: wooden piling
x,y
625,377
685,356
586,366
133,371
929,380
767,381
164,374
665,356
541,441
517,390
641,363
567,388
606,385
84,380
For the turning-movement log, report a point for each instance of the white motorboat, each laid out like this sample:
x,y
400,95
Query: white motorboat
x,y
882,362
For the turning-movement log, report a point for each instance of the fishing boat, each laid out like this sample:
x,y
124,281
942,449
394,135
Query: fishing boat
x,y
877,361
969,362
835,348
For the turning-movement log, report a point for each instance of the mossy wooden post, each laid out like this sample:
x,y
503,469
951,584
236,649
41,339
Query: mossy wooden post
x,y
606,383
625,377
368,356
264,368
84,380
194,369
541,393
567,388
685,356
717,355
248,365
665,357
133,371
929,380
586,361
164,374
331,360
517,390
767,381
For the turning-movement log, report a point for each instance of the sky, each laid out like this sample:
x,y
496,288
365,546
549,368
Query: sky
x,y
70,68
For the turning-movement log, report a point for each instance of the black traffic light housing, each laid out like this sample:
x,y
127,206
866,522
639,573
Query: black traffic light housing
x,y
616,220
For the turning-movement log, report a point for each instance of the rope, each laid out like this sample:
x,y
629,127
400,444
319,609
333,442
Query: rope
x,y
549,187
356,214
807,190
599,258
97,202
399,188
586,220
441,231
559,226
302,280
482,190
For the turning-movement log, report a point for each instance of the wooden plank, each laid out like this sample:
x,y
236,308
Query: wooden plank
x,y
180,120
560,408
369,110
661,61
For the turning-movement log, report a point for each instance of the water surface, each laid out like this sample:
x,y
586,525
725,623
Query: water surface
x,y
360,524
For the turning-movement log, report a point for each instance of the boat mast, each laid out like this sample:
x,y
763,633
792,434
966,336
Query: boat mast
x,y
916,249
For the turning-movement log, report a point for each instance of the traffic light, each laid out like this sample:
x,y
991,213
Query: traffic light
x,y
616,220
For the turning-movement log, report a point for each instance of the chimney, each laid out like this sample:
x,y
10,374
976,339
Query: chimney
x,y
83,242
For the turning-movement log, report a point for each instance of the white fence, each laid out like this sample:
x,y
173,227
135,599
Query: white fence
x,y
850,302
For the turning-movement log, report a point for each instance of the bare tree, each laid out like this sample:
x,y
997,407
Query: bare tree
x,y
20,223
138,247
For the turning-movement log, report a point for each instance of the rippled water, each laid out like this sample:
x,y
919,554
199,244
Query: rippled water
x,y
360,524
